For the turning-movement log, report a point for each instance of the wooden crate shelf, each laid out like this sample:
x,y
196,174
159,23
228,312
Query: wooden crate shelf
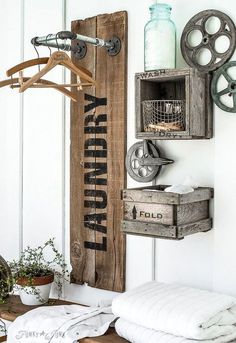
x,y
186,85
165,231
149,211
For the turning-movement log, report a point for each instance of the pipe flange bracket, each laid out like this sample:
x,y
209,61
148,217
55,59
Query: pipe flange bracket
x,y
79,49
115,48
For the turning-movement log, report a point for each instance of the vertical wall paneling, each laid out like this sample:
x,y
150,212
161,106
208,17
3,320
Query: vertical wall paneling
x,y
225,204
43,135
63,148
10,24
21,132
63,140
154,243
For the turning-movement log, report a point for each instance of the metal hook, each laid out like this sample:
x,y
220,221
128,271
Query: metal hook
x,y
50,50
56,38
37,55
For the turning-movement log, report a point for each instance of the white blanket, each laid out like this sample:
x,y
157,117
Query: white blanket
x,y
180,311
139,334
56,324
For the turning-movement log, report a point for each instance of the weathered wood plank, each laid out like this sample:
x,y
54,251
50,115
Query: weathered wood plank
x,y
149,229
187,107
155,194
199,194
166,214
197,103
97,153
82,260
209,107
163,73
111,83
191,213
109,337
165,231
149,212
189,229
14,308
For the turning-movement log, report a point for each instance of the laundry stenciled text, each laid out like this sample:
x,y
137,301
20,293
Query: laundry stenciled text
x,y
95,172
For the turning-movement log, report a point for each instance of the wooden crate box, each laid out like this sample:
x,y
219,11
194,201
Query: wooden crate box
x,y
152,212
186,86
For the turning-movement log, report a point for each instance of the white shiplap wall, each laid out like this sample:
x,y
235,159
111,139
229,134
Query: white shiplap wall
x,y
10,135
34,154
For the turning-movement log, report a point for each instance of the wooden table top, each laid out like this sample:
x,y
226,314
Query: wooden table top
x,y
14,308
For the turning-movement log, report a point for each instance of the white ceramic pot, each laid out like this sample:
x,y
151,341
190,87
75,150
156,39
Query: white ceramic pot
x,y
43,286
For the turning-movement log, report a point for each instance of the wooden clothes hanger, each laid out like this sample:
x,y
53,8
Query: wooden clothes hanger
x,y
36,81
35,62
60,58
14,83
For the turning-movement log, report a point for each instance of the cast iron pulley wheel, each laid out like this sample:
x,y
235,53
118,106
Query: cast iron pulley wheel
x,y
230,90
143,161
208,40
134,159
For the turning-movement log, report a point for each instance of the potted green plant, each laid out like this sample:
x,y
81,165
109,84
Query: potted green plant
x,y
33,274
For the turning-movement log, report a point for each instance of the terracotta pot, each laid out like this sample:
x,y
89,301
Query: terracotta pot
x,y
36,281
43,286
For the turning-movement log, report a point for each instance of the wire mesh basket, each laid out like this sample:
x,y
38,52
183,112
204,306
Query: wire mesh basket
x,y
163,115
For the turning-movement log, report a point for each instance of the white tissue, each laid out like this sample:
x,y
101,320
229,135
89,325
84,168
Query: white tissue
x,y
180,189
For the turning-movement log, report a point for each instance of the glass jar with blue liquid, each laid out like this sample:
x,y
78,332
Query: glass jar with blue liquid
x,y
160,39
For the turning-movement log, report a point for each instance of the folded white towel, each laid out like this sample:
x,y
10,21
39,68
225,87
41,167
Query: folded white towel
x,y
138,334
178,310
56,324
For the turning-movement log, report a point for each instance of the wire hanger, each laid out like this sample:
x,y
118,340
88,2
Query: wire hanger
x,y
36,50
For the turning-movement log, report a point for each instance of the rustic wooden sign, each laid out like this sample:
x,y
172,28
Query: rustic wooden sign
x,y
98,147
